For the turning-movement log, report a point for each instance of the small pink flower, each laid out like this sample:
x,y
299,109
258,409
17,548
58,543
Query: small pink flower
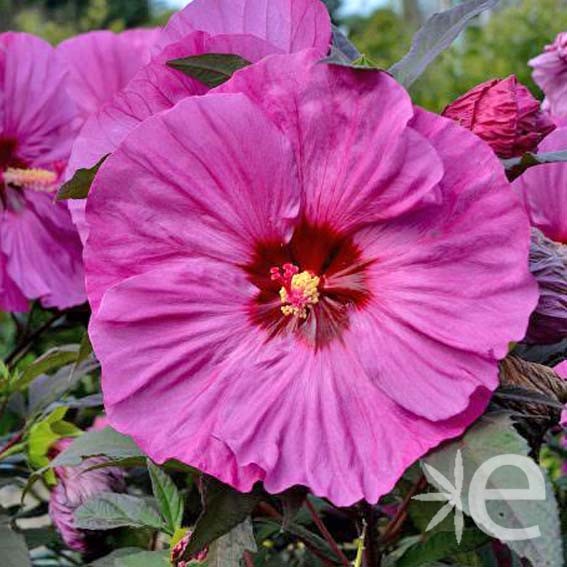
x,y
40,252
252,29
550,74
504,114
404,239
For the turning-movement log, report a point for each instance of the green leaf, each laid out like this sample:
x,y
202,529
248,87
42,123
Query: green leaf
x,y
223,509
168,497
212,69
43,434
104,442
441,545
436,35
494,435
79,185
133,556
144,559
13,550
51,360
227,551
111,510
516,166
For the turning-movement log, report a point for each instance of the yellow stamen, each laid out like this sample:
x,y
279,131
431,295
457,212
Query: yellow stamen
x,y
36,179
303,292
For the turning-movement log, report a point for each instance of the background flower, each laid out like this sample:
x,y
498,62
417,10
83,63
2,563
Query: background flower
x,y
305,310
550,73
40,250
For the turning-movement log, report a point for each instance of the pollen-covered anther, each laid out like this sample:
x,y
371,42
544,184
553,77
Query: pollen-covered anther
x,y
35,179
299,290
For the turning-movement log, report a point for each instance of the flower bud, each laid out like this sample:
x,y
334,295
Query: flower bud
x,y
504,114
179,550
76,485
548,264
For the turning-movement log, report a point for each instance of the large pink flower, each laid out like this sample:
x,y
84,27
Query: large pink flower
x,y
550,74
252,29
309,283
101,63
40,252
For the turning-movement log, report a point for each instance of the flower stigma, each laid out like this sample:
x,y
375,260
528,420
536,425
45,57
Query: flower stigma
x,y
34,179
299,290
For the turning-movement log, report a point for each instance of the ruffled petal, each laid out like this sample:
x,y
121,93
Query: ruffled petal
x,y
450,283
349,128
37,111
289,25
215,192
101,63
168,350
43,251
543,190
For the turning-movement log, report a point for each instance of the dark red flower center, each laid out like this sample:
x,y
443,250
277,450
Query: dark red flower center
x,y
309,286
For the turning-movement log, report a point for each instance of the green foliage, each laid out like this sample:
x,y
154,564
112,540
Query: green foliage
x,y
169,499
110,511
56,20
502,47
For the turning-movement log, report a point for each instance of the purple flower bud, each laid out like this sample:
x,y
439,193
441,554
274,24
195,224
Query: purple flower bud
x,y
75,486
548,264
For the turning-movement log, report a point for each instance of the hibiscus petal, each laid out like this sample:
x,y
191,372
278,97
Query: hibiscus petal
x,y
102,62
216,192
43,251
349,128
289,25
168,349
542,190
446,304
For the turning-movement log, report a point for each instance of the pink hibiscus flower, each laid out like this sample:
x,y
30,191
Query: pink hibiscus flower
x,y
309,283
101,63
40,251
550,74
249,28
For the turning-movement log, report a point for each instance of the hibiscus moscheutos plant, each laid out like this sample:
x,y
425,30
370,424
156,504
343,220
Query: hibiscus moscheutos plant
x,y
542,191
101,63
40,252
504,114
297,297
250,29
550,74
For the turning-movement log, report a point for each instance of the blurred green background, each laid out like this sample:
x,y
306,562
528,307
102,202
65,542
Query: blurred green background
x,y
496,45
